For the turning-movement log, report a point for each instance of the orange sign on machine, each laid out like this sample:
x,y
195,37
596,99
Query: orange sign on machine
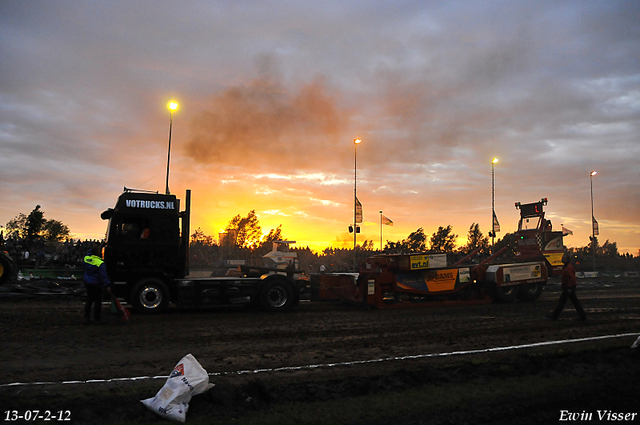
x,y
439,280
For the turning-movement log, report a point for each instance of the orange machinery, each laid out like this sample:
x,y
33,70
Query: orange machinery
x,y
425,279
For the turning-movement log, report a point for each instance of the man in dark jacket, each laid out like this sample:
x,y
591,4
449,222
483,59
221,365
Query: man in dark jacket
x,y
569,284
95,279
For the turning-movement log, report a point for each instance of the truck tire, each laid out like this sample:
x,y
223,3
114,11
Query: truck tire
x,y
150,295
506,294
530,291
276,295
5,268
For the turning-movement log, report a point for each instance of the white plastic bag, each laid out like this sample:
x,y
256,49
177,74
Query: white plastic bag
x,y
187,379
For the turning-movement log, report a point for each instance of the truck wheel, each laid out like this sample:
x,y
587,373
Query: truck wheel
x,y
150,295
530,291
275,295
5,268
506,294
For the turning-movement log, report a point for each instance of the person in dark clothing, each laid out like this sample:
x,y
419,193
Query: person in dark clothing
x,y
95,280
569,284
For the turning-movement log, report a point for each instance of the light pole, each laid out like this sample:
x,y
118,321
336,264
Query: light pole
x,y
356,142
493,202
593,222
380,230
172,107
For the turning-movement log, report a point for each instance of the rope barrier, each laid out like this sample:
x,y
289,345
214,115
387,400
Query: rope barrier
x,y
337,364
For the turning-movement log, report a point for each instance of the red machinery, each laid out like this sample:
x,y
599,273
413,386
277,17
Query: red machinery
x,y
536,238
424,279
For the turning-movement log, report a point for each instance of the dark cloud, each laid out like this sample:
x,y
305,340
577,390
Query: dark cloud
x,y
264,125
434,89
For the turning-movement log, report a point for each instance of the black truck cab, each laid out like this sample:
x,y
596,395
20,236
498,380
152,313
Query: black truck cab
x,y
147,258
144,239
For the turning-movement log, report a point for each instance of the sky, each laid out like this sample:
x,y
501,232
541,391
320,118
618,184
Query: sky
x,y
272,94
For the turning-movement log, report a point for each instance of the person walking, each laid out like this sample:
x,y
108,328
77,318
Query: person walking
x,y
569,284
95,280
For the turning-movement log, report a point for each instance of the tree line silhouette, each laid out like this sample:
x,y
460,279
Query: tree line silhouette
x,y
243,239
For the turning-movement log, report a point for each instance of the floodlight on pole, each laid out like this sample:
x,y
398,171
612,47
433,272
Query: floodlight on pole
x,y
593,222
494,161
380,230
173,106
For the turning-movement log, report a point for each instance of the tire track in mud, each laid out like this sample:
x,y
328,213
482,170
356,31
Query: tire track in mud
x,y
45,340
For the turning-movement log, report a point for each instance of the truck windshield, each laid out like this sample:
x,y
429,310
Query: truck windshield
x,y
130,228
135,228
529,223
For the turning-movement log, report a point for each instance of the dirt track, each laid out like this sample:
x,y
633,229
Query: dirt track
x,y
44,339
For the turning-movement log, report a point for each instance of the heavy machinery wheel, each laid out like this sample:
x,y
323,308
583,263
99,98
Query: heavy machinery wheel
x,y
5,268
530,291
276,295
506,294
150,295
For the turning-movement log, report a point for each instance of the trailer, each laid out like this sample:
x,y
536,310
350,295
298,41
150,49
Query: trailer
x,y
429,279
146,253
408,280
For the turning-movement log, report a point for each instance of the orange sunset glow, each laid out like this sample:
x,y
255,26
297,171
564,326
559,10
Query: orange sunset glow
x,y
269,100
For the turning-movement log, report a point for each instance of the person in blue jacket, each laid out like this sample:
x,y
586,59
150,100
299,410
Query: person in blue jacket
x,y
95,280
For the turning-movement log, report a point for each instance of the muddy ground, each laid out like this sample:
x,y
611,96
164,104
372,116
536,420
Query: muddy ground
x,y
332,363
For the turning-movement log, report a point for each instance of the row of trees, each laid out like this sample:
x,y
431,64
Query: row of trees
x,y
443,240
246,242
607,257
245,233
34,226
243,239
34,241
